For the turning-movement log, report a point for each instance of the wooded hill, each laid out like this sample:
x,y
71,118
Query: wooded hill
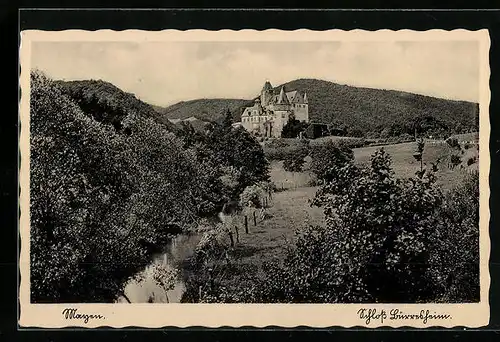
x,y
368,109
107,102
204,109
358,110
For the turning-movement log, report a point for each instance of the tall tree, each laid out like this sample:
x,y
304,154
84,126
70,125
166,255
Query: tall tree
x,y
228,119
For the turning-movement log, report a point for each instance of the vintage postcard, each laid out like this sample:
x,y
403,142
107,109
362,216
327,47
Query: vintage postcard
x,y
254,178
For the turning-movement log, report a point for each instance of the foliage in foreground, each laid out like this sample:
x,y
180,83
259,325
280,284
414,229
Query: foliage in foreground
x,y
385,240
101,202
110,186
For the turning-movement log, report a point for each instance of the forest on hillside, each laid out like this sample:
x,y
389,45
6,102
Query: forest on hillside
x,y
375,112
204,109
355,111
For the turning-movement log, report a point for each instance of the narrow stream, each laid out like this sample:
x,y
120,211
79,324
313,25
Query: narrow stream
x,y
178,250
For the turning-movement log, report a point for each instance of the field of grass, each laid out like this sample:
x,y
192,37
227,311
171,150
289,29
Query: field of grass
x,y
267,241
322,140
404,165
286,180
467,137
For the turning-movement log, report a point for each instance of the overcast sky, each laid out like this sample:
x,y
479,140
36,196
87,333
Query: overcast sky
x,y
163,73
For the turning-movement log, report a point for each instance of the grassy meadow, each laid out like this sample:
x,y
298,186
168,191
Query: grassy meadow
x,y
404,165
267,241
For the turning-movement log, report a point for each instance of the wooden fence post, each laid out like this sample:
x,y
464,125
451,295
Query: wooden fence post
x,y
237,234
210,279
254,219
231,238
246,224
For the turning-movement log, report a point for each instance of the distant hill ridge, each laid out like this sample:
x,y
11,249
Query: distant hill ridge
x,y
203,109
358,108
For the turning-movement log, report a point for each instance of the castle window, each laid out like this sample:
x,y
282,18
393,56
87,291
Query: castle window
x,y
282,115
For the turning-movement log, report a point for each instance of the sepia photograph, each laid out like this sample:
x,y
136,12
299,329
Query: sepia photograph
x,y
293,175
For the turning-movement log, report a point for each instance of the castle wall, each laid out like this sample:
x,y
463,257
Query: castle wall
x,y
280,120
301,112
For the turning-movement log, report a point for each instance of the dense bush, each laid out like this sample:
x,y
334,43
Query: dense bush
x,y
252,196
229,159
453,142
455,244
295,160
455,160
471,160
293,128
328,155
237,148
281,149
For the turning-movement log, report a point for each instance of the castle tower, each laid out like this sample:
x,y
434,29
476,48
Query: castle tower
x,y
266,93
305,98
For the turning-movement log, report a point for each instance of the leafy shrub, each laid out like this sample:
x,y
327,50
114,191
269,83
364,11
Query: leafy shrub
x,y
295,161
229,160
328,155
455,160
374,247
275,143
238,148
293,128
282,149
252,195
471,160
453,143
455,247
267,186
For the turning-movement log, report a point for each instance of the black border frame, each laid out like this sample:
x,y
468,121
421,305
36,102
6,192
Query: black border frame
x,y
214,19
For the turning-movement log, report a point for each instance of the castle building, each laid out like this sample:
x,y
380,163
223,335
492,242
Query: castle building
x,y
271,111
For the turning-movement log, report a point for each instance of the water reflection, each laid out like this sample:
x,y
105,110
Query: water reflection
x,y
179,249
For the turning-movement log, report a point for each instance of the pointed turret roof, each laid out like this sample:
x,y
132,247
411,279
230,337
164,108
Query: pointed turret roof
x,y
267,86
305,97
282,98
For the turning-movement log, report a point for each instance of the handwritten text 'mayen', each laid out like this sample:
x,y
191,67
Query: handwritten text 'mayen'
x,y
73,314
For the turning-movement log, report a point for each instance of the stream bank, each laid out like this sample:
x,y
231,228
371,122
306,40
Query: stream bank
x,y
176,252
